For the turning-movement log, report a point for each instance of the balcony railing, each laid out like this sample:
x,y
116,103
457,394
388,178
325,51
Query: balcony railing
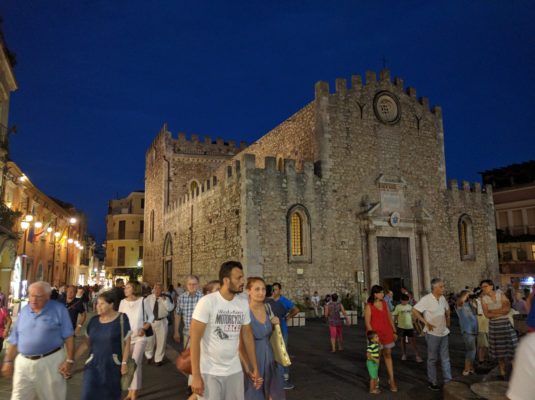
x,y
120,210
126,236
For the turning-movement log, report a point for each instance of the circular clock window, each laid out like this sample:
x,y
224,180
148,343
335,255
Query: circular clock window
x,y
386,107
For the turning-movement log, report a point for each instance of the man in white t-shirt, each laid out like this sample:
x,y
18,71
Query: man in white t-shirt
x,y
315,300
522,384
434,312
217,321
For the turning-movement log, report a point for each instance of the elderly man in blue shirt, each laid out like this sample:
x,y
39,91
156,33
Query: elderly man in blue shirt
x,y
40,333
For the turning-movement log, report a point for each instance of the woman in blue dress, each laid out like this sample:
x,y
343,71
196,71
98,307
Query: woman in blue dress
x,y
272,373
106,362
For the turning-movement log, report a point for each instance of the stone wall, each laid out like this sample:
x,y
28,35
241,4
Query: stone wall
x,y
293,139
205,229
351,173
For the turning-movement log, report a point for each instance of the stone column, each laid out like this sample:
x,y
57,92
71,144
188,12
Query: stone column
x,y
373,263
425,261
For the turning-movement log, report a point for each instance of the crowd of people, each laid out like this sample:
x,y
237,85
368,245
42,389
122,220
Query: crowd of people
x,y
227,326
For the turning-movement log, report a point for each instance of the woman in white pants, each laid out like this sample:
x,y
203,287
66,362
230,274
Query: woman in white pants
x,y
133,306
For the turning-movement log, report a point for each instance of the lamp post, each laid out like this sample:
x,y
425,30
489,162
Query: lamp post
x,y
25,225
55,239
70,240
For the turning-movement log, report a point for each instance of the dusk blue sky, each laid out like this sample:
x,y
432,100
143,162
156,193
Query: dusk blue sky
x,y
98,78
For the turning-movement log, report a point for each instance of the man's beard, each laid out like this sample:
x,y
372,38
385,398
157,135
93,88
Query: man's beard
x,y
235,290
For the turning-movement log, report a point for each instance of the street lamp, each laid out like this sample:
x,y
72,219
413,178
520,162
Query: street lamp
x,y
25,225
72,221
55,239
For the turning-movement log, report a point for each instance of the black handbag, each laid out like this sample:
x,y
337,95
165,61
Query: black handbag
x,y
148,332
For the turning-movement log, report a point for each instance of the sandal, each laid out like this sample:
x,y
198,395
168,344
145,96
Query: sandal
x,y
376,391
393,388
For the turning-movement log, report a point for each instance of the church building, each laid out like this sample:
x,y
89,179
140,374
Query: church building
x,y
348,192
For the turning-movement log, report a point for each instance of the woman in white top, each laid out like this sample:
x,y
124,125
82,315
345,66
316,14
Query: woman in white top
x,y
133,306
502,337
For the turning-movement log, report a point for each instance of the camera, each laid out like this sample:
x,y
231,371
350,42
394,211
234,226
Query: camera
x,y
475,294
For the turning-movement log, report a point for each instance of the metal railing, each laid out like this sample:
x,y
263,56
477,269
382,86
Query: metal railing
x,y
519,230
126,236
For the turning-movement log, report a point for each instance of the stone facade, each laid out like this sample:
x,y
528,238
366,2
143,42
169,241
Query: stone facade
x,y
364,169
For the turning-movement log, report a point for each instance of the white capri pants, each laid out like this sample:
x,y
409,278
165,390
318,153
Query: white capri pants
x,y
39,378
137,348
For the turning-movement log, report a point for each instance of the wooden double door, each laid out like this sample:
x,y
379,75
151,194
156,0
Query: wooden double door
x,y
394,264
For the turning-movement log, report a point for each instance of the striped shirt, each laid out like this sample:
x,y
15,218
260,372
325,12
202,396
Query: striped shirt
x,y
373,349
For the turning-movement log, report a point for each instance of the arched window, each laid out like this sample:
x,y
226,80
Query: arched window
x,y
298,223
297,235
466,238
193,186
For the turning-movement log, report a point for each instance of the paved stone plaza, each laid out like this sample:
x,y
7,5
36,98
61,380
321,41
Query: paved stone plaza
x,y
316,373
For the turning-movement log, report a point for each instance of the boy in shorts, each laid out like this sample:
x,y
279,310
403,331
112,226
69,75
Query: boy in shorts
x,y
373,352
403,319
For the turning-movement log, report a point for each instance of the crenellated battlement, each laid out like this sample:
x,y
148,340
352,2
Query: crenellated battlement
x,y
279,171
322,88
474,187
232,173
192,145
283,166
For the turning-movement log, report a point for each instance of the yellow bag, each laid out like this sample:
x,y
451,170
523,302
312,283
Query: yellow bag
x,y
277,343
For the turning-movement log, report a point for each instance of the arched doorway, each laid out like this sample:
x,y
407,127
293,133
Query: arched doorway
x,y
167,260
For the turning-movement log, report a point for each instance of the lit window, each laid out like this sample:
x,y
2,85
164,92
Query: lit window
x,y
297,248
299,235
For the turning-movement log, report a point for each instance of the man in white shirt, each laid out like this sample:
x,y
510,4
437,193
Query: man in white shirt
x,y
315,300
434,312
216,324
522,384
161,306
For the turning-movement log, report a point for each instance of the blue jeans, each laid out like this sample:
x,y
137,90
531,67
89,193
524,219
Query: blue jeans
x,y
437,346
470,346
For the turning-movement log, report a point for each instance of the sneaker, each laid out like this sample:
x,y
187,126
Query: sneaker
x,y
434,388
466,373
288,385
403,357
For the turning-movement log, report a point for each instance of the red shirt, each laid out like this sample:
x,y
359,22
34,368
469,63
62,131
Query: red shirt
x,y
3,315
381,323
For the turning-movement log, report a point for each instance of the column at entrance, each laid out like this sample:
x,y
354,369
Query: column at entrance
x,y
373,263
425,261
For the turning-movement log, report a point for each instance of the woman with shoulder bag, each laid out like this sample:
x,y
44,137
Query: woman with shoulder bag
x,y
140,317
332,314
271,384
107,361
